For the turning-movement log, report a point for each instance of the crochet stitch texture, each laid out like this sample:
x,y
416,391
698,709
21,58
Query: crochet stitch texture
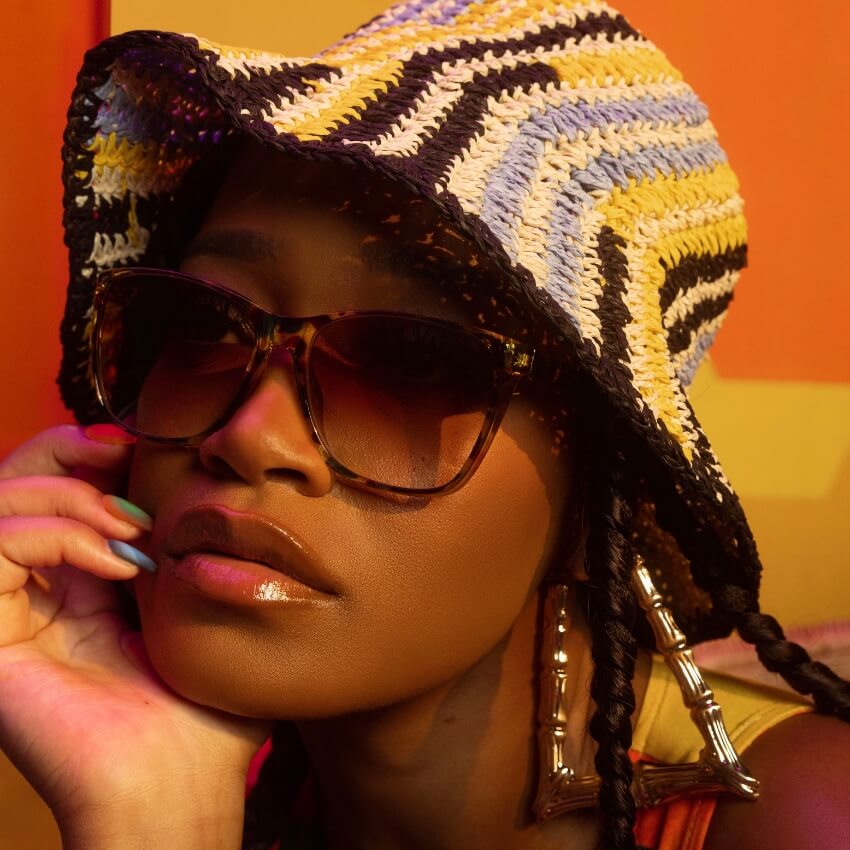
x,y
552,133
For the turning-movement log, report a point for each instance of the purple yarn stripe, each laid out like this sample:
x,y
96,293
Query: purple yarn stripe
x,y
453,11
563,248
511,178
563,257
413,11
688,369
120,115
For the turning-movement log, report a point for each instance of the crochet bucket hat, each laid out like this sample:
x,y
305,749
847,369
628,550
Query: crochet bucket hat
x,y
556,136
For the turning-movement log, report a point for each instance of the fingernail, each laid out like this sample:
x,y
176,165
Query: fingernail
x,y
129,512
109,434
132,554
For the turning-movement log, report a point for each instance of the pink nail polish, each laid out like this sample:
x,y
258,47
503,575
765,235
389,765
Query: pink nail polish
x,y
109,434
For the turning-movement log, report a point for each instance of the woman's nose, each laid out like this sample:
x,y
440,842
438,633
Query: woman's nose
x,y
268,438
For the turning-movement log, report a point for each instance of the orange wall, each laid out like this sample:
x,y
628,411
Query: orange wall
x,y
41,55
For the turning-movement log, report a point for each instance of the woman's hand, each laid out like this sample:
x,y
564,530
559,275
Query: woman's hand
x,y
83,715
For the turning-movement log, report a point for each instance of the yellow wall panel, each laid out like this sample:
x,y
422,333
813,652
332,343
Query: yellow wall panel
x,y
294,29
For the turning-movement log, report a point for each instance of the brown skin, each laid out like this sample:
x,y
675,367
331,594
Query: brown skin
x,y
414,685
804,802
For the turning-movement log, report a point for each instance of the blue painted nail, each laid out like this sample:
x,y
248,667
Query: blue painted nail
x,y
132,554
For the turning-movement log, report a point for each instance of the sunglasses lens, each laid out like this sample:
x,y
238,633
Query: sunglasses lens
x,y
172,354
400,400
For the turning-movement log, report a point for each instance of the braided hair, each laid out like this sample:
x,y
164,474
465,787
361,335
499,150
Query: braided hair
x,y
615,631
611,610
740,606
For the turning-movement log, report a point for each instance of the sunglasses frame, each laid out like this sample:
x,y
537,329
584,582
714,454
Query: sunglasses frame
x,y
512,360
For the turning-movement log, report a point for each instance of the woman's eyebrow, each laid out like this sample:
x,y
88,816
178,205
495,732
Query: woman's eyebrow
x,y
412,260
233,244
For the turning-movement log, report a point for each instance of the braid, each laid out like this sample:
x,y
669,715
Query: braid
x,y
830,692
268,806
740,606
614,650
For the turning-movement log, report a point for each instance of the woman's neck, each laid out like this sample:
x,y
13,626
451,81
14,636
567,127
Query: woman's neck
x,y
457,767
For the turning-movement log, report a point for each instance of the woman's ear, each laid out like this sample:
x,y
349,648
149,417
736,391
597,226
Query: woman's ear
x,y
569,564
576,566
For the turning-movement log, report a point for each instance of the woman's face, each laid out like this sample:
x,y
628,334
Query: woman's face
x,y
416,590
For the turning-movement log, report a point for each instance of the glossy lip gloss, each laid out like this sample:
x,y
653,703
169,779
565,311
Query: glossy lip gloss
x,y
243,559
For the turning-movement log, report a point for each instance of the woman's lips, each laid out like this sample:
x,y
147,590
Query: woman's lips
x,y
242,557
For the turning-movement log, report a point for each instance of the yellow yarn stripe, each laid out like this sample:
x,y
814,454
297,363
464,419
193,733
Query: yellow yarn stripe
x,y
630,64
140,160
232,51
344,99
649,357
112,152
625,211
664,193
476,23
713,238
627,64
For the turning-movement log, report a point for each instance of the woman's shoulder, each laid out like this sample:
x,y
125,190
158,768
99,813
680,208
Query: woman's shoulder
x,y
802,764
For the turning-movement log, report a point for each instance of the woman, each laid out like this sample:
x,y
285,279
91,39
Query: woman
x,y
507,235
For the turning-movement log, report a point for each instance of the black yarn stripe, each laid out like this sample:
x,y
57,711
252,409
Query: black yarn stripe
x,y
79,229
466,120
113,216
614,316
693,268
613,313
680,334
420,70
254,92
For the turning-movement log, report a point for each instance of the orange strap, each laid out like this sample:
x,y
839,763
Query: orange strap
x,y
680,825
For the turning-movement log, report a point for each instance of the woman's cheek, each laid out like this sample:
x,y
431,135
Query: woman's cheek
x,y
458,575
154,472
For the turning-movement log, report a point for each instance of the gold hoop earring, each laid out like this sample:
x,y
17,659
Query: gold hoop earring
x,y
718,770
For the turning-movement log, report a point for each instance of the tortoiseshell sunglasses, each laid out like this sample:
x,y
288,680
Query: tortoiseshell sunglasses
x,y
395,402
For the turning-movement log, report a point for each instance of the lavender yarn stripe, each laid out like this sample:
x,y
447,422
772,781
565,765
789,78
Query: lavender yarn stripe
x,y
414,10
512,177
564,254
685,373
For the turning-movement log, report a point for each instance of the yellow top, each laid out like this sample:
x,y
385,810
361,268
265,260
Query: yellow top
x,y
665,733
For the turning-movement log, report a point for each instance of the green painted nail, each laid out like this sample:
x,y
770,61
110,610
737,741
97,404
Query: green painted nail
x,y
130,553
127,511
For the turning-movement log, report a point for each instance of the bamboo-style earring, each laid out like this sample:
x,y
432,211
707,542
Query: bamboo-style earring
x,y
718,770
